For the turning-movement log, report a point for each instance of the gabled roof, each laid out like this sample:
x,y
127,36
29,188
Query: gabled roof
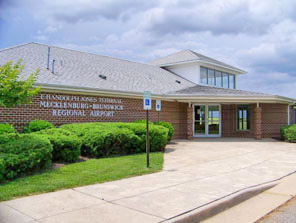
x,y
79,69
187,56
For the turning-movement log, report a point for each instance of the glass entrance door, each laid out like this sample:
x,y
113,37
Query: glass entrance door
x,y
200,120
213,120
207,121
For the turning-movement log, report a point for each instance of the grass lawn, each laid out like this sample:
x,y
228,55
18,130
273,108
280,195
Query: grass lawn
x,y
79,174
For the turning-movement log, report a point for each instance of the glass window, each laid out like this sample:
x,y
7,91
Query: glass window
x,y
211,77
213,119
200,119
218,76
204,75
225,80
243,117
231,81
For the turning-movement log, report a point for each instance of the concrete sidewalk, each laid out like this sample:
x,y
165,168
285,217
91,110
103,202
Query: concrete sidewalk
x,y
196,174
262,206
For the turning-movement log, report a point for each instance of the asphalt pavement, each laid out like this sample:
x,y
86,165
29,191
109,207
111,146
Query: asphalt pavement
x,y
284,214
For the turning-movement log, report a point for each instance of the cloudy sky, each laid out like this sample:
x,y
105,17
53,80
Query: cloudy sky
x,y
257,36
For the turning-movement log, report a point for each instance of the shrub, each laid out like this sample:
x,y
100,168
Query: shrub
x,y
6,128
283,130
142,121
169,126
66,145
37,125
112,141
158,135
23,154
288,133
100,140
164,124
106,139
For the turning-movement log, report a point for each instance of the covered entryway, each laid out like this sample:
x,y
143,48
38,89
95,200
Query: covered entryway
x,y
245,119
207,120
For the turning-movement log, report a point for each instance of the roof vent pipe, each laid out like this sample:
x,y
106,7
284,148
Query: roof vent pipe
x,y
52,67
103,77
48,55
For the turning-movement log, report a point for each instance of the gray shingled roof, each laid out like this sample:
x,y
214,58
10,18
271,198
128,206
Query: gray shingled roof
x,y
76,69
201,90
188,56
80,69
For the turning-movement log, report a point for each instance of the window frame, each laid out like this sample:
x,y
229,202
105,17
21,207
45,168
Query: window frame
x,y
248,117
207,75
233,84
215,78
221,81
227,75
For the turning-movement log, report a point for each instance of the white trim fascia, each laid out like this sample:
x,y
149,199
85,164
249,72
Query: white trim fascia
x,y
231,98
95,91
202,61
179,98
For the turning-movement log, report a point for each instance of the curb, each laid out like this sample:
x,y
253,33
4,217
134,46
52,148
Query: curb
x,y
209,210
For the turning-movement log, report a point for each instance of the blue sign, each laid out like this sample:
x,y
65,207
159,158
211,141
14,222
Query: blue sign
x,y
147,100
158,105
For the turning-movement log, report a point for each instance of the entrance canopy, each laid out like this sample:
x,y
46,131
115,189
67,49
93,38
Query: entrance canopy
x,y
208,94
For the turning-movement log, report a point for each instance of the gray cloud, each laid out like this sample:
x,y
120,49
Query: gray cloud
x,y
218,17
79,11
258,36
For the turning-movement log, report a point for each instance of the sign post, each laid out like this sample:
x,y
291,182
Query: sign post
x,y
158,107
147,106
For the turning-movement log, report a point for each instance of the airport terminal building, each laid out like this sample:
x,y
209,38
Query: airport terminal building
x,y
198,94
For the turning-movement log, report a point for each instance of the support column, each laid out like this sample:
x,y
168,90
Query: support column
x,y
258,122
189,122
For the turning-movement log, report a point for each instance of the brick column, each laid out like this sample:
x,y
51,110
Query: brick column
x,y
258,123
189,122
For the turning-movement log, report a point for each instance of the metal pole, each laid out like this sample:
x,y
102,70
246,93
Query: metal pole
x,y
52,68
158,116
48,55
147,137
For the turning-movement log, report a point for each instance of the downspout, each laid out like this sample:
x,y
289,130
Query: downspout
x,y
289,113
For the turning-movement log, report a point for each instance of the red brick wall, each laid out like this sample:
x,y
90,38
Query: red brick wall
x,y
229,128
189,122
173,112
273,117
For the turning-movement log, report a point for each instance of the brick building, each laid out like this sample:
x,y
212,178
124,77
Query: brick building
x,y
198,94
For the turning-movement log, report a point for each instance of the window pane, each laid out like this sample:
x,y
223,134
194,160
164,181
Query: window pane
x,y
243,117
211,77
231,81
203,75
213,119
218,75
225,80
199,120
